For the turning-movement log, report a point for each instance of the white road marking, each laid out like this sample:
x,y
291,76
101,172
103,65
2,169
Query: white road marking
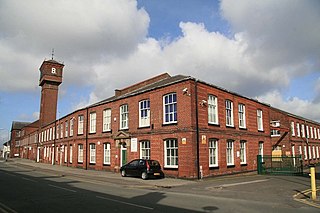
x,y
126,203
6,209
243,183
29,180
58,187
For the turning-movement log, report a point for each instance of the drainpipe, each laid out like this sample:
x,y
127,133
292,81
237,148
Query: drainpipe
x,y
87,128
197,129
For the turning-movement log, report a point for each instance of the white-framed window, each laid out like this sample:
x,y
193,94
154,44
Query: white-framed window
x,y
310,154
300,150
307,128
50,134
229,113
124,116
93,122
313,152
57,131
260,151
305,153
317,151
144,113
259,120
66,129
44,136
311,132
242,115
80,124
106,153
213,153
319,133
92,156
292,129
53,133
71,127
213,110
171,153
298,130
61,130
230,153
57,153
243,153
65,153
80,153
303,131
70,154
170,108
315,133
145,149
106,120
45,152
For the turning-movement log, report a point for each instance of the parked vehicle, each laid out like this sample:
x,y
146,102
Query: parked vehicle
x,y
142,168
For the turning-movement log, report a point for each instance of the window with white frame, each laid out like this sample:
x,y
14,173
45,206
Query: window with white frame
x,y
212,109
293,133
80,124
57,153
170,108
317,151
298,129
229,113
300,150
53,133
144,113
259,120
230,153
145,149
303,133
106,153
50,134
65,153
71,127
260,151
305,153
242,115
66,129
80,153
311,132
319,133
61,130
313,152
307,128
92,157
171,153
243,157
45,152
315,133
93,121
124,116
310,154
70,154
106,120
213,153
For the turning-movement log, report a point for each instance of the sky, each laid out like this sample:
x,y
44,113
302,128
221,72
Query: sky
x,y
268,50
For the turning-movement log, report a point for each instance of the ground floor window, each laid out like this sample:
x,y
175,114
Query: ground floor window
x,y
213,152
145,149
243,158
70,150
171,153
230,153
106,153
80,153
92,153
65,154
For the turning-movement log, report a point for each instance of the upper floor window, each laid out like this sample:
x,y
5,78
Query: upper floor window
x,y
212,109
80,124
144,113
311,132
319,133
106,120
93,121
61,130
298,129
124,116
307,128
259,120
66,129
303,133
293,133
315,133
170,108
71,127
229,113
242,115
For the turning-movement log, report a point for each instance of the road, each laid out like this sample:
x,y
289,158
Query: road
x,y
26,189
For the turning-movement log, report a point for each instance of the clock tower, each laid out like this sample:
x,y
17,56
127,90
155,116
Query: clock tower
x,y
50,79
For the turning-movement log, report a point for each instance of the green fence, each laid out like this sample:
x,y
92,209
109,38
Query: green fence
x,y
280,165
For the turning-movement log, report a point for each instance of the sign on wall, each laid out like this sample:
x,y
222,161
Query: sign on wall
x,y
134,144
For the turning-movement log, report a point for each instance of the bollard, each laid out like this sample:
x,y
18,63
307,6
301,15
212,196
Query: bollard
x,y
313,183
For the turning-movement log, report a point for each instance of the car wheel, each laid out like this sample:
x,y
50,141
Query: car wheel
x,y
144,175
123,173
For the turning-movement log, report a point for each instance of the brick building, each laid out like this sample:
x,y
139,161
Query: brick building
x,y
192,127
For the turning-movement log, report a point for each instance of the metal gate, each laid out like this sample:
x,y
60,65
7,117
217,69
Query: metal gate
x,y
280,165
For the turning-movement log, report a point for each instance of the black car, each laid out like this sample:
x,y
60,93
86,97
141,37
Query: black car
x,y
142,168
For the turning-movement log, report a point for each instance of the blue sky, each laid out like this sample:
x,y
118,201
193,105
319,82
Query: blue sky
x,y
267,50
